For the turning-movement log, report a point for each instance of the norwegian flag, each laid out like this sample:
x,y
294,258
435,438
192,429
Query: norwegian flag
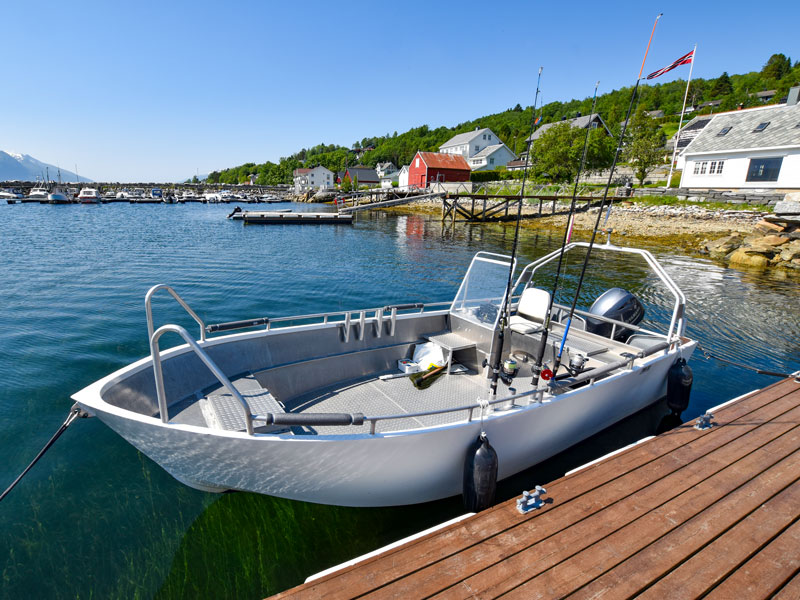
x,y
683,60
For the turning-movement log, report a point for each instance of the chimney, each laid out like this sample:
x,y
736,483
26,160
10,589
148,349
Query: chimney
x,y
794,94
477,128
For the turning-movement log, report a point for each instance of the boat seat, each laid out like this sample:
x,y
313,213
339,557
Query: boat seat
x,y
223,411
643,341
531,311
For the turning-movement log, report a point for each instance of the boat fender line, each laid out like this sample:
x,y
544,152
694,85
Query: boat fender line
x,y
480,475
236,209
679,386
76,412
312,419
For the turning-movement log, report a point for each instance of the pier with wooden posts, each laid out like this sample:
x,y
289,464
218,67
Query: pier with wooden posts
x,y
709,509
504,207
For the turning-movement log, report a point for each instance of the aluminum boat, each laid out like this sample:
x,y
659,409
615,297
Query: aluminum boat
x,y
315,407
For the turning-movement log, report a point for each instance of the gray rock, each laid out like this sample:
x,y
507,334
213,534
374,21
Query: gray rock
x,y
788,207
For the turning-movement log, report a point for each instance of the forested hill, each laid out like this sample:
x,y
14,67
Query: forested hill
x,y
513,125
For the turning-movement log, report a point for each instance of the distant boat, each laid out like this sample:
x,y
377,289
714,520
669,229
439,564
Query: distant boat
x,y
57,194
157,193
10,196
89,196
39,191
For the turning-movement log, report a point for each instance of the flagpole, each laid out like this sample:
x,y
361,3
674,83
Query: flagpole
x,y
680,125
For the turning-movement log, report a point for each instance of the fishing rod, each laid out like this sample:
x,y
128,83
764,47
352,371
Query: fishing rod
x,y
557,361
537,369
497,353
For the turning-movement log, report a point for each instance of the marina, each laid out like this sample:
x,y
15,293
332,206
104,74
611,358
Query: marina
x,y
705,510
142,512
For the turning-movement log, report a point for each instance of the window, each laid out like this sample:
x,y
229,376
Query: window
x,y
719,166
764,169
761,127
417,162
484,136
797,126
594,124
724,131
696,168
477,147
713,168
703,168
491,161
489,137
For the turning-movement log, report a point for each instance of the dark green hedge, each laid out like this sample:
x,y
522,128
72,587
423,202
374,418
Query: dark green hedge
x,y
497,175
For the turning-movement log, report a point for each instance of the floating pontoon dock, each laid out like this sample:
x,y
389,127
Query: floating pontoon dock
x,y
702,510
297,218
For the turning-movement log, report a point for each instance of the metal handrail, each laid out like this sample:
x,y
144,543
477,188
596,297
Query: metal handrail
x,y
212,366
677,323
149,309
589,375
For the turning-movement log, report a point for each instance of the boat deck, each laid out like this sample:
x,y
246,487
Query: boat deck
x,y
384,393
690,513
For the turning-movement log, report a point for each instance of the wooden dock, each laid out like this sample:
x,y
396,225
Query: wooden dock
x,y
690,513
503,207
291,218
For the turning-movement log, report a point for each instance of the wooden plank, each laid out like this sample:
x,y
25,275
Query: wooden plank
x,y
653,561
434,548
599,537
790,591
721,561
632,576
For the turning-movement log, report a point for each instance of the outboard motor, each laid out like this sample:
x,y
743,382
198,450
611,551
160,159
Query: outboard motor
x,y
617,304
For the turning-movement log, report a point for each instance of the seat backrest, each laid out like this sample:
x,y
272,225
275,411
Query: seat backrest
x,y
533,304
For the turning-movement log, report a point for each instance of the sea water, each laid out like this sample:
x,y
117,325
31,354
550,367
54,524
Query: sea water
x,y
95,518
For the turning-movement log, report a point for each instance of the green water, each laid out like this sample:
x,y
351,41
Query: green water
x,y
96,519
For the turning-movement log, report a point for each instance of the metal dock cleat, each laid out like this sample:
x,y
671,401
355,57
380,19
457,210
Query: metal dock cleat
x,y
704,422
531,500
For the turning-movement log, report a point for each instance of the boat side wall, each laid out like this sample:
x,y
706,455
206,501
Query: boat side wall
x,y
185,375
395,468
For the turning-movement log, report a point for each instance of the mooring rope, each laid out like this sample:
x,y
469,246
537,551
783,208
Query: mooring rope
x,y
708,356
74,413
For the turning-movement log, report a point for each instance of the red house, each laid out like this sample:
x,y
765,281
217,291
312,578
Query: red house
x,y
427,167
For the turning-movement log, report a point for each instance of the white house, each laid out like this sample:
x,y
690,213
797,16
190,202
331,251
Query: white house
x,y
317,178
389,178
402,178
473,143
384,168
491,157
592,121
757,148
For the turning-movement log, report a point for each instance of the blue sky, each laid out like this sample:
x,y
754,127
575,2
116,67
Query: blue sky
x,y
144,90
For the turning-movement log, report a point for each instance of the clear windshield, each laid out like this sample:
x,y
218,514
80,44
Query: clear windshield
x,y
480,296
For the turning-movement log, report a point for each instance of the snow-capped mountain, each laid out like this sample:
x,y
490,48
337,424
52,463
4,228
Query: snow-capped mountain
x,y
22,167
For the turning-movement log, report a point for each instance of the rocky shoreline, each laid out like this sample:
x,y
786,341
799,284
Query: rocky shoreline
x,y
774,242
750,239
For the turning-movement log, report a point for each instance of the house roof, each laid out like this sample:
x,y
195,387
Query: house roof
x,y
441,160
766,94
297,172
489,150
464,138
691,130
582,122
782,130
364,174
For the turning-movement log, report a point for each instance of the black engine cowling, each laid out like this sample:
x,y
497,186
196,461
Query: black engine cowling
x,y
617,304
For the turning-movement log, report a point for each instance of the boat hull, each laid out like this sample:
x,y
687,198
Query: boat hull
x,y
389,469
